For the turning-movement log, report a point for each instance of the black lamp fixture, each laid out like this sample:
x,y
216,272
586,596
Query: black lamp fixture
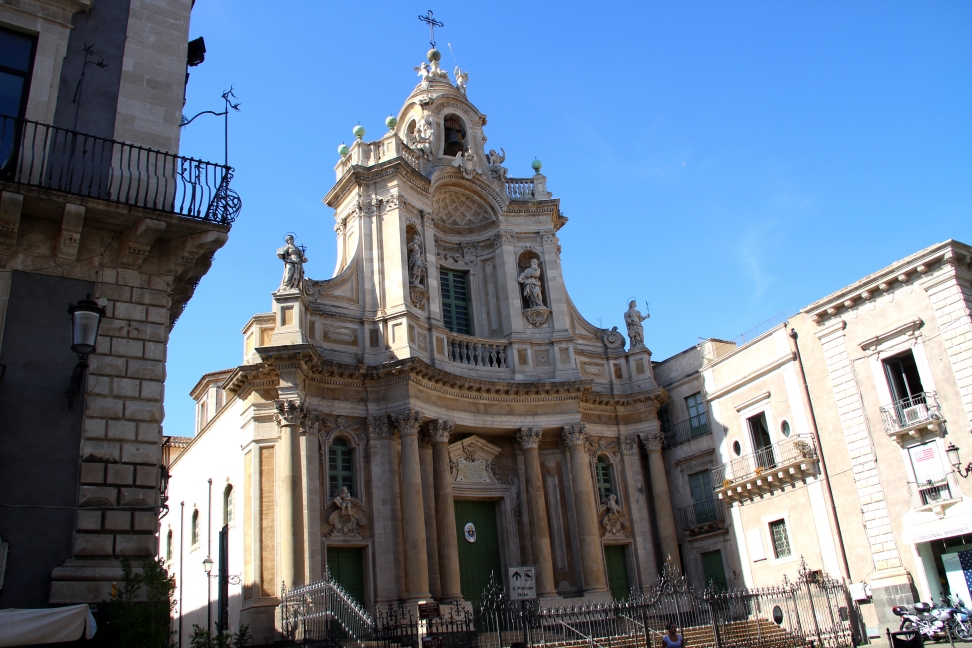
x,y
953,458
208,565
86,318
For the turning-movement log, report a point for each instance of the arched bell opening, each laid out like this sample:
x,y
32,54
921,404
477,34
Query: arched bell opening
x,y
455,135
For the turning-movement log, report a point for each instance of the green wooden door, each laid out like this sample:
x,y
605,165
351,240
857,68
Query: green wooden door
x,y
617,569
713,569
346,565
479,555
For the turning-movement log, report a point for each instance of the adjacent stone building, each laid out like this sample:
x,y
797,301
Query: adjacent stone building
x,y
94,201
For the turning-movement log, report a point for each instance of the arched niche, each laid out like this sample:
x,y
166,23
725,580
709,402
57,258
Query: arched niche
x,y
454,135
522,263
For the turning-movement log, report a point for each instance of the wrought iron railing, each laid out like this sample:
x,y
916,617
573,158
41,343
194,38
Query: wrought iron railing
x,y
934,490
476,352
908,413
700,514
41,155
812,610
781,453
685,431
519,188
324,611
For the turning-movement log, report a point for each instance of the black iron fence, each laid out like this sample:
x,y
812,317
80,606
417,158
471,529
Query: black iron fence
x,y
40,155
685,431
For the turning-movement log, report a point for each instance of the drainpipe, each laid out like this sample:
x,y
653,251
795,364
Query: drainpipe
x,y
182,586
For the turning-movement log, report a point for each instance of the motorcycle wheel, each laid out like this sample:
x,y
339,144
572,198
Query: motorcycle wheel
x,y
906,625
963,632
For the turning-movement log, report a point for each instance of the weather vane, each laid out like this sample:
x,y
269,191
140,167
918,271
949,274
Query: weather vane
x,y
432,23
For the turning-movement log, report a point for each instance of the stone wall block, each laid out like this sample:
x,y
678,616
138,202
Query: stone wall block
x,y
155,351
152,391
106,365
100,451
148,332
89,520
103,345
98,496
115,293
163,283
92,473
118,521
143,411
150,297
104,407
143,453
139,497
135,545
125,387
146,369
150,432
146,476
120,474
98,385
146,522
158,315
113,328
127,348
94,428
124,430
132,278
109,276
133,312
92,544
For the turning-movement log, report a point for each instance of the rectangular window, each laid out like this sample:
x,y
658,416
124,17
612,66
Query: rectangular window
x,y
455,301
781,540
762,444
704,504
605,483
698,420
903,379
16,60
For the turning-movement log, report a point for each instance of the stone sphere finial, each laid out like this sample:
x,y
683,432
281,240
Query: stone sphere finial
x,y
358,131
343,150
391,122
536,164
434,55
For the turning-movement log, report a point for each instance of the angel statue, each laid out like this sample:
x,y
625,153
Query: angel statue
x,y
436,71
633,318
422,139
416,261
423,71
530,278
462,78
466,161
343,501
496,170
294,260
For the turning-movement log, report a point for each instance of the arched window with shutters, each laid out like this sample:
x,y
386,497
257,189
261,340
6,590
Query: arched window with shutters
x,y
605,479
194,528
340,467
168,546
228,505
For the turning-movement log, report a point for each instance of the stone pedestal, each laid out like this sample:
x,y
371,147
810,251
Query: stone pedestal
x,y
529,439
592,560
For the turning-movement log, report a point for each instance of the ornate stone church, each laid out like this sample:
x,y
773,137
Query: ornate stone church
x,y
438,410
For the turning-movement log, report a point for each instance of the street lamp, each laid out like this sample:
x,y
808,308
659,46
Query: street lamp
x,y
208,565
86,318
208,568
953,458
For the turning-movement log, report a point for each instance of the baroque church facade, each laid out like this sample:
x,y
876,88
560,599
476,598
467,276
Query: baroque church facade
x,y
438,410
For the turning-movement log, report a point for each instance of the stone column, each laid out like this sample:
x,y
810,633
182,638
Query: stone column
x,y
529,439
659,490
413,513
592,557
289,415
445,511
386,514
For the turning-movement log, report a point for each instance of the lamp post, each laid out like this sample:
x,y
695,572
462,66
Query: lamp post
x,y
208,568
953,458
86,318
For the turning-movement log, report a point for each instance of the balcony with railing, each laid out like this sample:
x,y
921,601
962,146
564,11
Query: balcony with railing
x,y
766,470
935,493
701,517
684,431
913,416
57,159
490,356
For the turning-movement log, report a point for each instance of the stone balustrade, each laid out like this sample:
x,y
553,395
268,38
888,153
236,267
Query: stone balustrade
x,y
520,188
476,352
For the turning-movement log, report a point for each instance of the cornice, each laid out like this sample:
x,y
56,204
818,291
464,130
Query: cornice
x,y
767,368
357,175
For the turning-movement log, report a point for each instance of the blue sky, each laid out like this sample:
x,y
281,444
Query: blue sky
x,y
721,160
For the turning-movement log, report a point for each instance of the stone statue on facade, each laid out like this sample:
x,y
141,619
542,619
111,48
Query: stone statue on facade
x,y
343,501
615,520
423,139
530,279
423,71
294,260
496,170
462,77
633,318
466,161
347,517
417,265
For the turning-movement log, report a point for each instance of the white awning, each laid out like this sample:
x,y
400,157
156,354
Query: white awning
x,y
45,625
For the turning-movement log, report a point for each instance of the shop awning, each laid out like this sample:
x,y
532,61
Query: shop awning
x,y
45,625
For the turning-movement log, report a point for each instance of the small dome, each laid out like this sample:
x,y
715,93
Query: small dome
x,y
391,122
344,150
434,55
536,164
358,131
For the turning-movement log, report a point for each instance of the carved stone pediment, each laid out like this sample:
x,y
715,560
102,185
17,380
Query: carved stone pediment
x,y
614,520
346,520
472,460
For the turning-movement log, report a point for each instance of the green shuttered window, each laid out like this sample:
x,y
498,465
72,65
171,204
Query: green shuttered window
x,y
340,467
455,301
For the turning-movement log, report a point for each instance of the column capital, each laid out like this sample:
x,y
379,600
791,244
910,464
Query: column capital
x,y
290,411
576,435
439,431
378,427
629,445
652,440
407,422
529,437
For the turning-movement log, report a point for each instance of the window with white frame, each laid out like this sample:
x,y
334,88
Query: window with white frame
x,y
780,538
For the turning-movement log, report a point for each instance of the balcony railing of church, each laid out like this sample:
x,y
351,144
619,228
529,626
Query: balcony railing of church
x,y
701,517
58,159
685,431
909,415
519,188
477,352
766,469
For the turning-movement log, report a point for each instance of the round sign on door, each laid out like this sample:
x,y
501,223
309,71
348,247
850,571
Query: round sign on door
x,y
470,532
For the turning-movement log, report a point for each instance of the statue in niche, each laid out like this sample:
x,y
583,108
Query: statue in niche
x,y
530,279
417,265
462,77
422,139
496,170
633,318
294,260
615,520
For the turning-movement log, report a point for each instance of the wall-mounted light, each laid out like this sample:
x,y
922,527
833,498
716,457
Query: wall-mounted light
x,y
953,458
86,318
208,565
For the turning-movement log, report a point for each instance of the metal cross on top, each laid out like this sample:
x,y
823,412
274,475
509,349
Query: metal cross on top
x,y
432,23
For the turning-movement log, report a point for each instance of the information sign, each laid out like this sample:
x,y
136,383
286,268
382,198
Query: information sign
x,y
522,584
428,610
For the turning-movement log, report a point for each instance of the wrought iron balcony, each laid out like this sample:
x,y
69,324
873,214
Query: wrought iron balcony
x,y
766,470
686,430
40,155
935,493
912,416
701,517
